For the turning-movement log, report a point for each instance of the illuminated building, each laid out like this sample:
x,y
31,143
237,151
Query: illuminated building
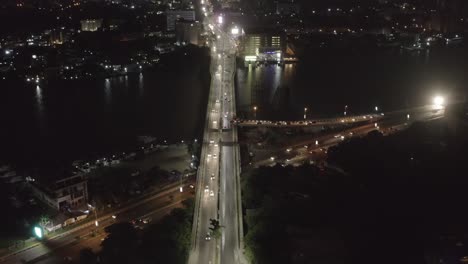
x,y
91,25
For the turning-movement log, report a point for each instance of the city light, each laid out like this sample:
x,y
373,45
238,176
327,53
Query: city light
x,y
220,19
38,232
235,31
439,102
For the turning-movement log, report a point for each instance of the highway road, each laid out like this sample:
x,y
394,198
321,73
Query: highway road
x,y
307,149
219,158
155,210
62,246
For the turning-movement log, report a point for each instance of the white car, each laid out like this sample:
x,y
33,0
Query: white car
x,y
211,193
208,236
212,176
207,189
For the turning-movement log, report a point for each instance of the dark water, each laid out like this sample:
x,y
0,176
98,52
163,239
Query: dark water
x,y
326,80
63,121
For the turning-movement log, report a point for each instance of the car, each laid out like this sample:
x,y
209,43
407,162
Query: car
x,y
209,155
211,193
146,220
212,176
217,100
214,155
208,236
191,186
207,189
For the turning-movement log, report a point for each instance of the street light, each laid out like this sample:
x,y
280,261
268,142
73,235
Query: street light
x,y
255,112
439,102
235,31
376,108
38,232
305,113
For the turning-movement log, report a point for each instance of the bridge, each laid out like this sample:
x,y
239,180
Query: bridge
x,y
218,183
307,122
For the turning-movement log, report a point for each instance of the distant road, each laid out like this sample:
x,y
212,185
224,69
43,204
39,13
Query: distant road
x,y
65,239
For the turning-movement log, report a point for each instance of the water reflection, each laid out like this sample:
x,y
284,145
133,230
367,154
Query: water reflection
x,y
107,94
40,108
140,84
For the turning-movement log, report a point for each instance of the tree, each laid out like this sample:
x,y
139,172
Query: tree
x,y
215,228
121,243
87,256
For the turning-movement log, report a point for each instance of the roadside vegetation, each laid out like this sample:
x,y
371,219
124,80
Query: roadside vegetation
x,y
398,199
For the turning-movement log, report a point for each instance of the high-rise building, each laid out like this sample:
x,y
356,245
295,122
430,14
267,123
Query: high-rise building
x,y
287,7
263,45
91,25
188,32
450,12
173,15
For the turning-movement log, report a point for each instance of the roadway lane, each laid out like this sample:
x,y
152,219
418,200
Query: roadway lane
x,y
51,245
157,211
228,215
390,124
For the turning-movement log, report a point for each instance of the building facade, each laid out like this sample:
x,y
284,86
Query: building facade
x,y
62,194
263,45
91,25
188,32
173,15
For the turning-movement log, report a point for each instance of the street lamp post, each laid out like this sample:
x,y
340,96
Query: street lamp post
x,y
305,113
345,109
255,112
96,223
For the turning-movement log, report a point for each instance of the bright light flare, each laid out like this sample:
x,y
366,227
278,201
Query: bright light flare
x,y
38,232
220,19
235,31
439,101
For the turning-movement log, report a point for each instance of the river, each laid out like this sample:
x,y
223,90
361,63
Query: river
x,y
326,80
58,122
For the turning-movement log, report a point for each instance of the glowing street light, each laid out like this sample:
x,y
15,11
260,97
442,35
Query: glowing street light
x,y
38,232
376,108
255,112
235,31
305,113
439,101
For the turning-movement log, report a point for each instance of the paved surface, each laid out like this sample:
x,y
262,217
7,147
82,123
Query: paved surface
x,y
220,139
298,152
69,238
